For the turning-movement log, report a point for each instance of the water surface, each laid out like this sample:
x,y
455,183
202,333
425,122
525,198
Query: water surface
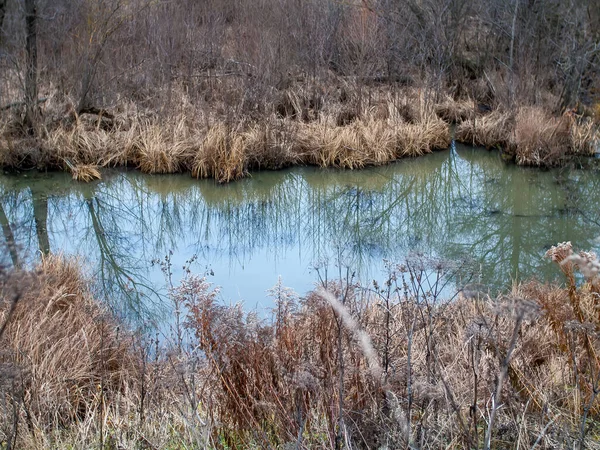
x,y
462,204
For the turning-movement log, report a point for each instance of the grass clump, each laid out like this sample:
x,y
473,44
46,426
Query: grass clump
x,y
63,357
160,148
456,111
85,173
532,136
490,130
540,139
221,155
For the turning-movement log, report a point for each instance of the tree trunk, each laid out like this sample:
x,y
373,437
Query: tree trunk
x,y
2,14
31,92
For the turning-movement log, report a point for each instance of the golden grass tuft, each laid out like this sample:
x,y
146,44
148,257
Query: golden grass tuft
x,y
63,347
327,146
221,155
596,111
417,139
455,111
539,138
86,173
534,136
585,137
161,148
370,141
490,131
82,145
270,145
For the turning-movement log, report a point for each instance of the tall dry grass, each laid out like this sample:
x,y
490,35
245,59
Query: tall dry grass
x,y
539,138
392,365
364,126
63,355
533,136
216,146
491,130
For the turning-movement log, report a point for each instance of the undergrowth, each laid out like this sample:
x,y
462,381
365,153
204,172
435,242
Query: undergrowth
x,y
396,364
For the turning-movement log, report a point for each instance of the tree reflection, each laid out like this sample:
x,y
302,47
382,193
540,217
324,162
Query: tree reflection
x,y
457,205
9,238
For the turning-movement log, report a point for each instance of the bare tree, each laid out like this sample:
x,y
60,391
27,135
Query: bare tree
x,y
31,87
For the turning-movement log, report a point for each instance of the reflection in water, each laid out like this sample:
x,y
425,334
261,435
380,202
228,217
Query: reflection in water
x,y
456,205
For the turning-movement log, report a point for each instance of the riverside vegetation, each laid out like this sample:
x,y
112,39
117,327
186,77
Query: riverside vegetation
x,y
391,365
220,88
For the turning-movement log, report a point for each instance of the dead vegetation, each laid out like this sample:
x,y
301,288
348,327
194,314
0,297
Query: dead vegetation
x,y
389,127
63,358
213,147
393,365
533,136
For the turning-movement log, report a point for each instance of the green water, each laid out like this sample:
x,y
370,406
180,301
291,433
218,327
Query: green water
x,y
459,205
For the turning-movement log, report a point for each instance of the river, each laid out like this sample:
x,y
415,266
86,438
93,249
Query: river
x,y
464,205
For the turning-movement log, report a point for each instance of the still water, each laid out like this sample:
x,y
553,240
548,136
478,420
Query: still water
x,y
465,204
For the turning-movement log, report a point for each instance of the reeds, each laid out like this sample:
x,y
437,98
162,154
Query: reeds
x,y
370,142
160,148
85,173
533,136
221,155
456,111
539,138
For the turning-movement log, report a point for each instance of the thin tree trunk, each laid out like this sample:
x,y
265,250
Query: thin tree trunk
x,y
31,88
2,14
512,54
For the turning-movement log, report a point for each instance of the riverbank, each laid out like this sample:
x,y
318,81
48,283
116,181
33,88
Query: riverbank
x,y
401,364
331,128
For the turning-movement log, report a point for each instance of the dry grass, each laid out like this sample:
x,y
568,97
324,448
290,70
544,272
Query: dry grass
x,y
162,148
539,138
303,130
424,137
406,365
221,155
81,144
491,131
411,363
585,137
308,126
456,111
85,173
533,136
367,142
61,350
